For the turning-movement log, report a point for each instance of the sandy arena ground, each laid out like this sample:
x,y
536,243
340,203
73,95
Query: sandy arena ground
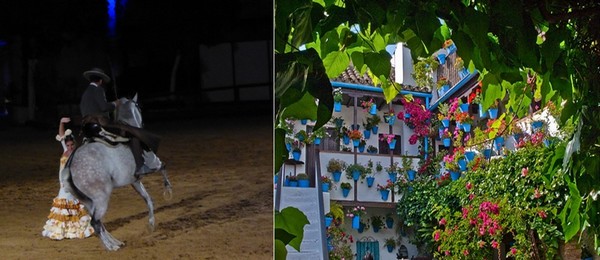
x,y
221,171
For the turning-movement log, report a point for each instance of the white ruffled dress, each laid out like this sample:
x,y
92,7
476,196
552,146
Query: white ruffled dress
x,y
68,218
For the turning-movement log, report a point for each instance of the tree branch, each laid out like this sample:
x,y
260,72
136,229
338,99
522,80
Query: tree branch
x,y
558,17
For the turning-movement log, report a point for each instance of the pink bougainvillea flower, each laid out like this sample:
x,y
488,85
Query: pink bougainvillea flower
x,y
542,214
436,237
471,196
466,252
524,172
469,186
494,244
537,194
442,222
481,243
513,250
447,252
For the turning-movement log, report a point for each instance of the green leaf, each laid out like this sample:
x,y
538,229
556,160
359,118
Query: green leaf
x,y
280,250
335,63
302,24
291,220
305,108
492,90
572,224
379,63
281,152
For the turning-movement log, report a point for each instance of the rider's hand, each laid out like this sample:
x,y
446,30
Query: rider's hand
x,y
65,120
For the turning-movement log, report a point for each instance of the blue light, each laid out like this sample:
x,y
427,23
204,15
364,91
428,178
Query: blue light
x,y
112,18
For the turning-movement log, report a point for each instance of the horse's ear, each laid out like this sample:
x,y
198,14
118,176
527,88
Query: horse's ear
x,y
135,97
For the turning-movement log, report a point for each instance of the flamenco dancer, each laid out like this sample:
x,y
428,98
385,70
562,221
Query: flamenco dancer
x,y
67,218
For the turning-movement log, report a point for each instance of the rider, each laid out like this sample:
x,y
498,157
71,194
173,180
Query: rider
x,y
96,120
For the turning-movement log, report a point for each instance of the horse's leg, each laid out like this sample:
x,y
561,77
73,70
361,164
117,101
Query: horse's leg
x,y
168,193
110,243
139,187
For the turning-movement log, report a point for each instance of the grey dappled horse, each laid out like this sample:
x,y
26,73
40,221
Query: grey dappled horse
x,y
97,168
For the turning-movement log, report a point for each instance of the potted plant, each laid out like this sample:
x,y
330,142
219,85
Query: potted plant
x,y
377,223
302,180
362,145
369,105
444,114
422,71
297,146
390,243
355,135
372,149
385,189
325,183
337,99
292,181
446,137
336,166
318,134
356,171
407,168
369,170
374,121
302,136
442,86
392,170
459,63
378,167
346,187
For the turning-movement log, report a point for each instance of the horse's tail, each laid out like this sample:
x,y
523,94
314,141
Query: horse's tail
x,y
168,193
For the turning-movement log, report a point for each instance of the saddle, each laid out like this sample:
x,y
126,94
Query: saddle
x,y
93,132
98,128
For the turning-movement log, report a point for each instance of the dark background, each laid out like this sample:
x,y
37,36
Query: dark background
x,y
46,45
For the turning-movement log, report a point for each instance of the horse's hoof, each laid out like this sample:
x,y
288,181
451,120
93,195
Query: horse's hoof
x,y
168,194
150,228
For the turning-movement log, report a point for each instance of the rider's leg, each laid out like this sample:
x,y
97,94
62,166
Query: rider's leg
x,y
151,163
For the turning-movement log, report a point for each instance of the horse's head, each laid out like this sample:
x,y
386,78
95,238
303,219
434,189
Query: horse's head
x,y
129,112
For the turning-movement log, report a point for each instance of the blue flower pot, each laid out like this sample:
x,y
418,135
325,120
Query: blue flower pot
x,y
411,175
355,175
336,176
392,120
466,127
367,134
288,146
370,181
487,153
470,155
355,142
389,222
325,187
446,123
317,140
493,113
361,148
303,183
499,142
390,248
464,108
451,48
337,106
482,114
462,164
537,124
442,58
328,221
454,175
296,155
303,121
447,142
293,183
346,140
375,129
373,110
375,229
406,115
345,192
392,176
361,228
384,195
356,222
392,144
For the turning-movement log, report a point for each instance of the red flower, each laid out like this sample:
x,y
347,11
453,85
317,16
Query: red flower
x,y
542,214
524,172
442,222
494,244
469,186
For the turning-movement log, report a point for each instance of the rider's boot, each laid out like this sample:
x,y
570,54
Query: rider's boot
x,y
151,164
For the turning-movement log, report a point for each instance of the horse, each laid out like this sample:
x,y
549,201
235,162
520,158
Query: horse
x,y
96,168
